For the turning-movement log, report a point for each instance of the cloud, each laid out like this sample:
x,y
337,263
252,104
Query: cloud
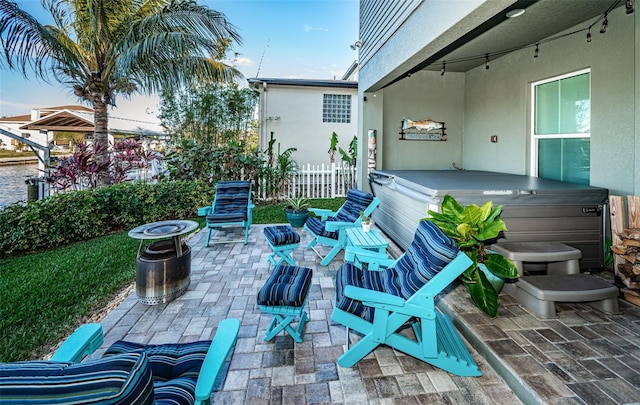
x,y
308,28
243,61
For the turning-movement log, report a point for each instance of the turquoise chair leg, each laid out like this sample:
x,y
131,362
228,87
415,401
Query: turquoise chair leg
x,y
282,253
331,255
206,242
282,318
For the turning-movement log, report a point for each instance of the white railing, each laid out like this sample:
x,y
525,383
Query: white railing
x,y
322,181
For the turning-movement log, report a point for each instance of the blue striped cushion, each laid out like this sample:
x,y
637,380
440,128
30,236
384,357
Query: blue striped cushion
x,y
122,379
317,228
231,202
287,286
430,251
281,235
175,367
356,202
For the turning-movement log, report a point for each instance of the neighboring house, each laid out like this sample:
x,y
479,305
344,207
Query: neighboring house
x,y
19,125
41,125
554,92
40,130
304,113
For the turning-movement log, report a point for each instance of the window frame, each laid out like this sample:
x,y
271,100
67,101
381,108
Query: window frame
x,y
335,116
534,138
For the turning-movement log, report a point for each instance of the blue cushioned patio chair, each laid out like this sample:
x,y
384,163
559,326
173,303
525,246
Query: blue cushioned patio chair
x,y
325,228
380,304
127,373
231,206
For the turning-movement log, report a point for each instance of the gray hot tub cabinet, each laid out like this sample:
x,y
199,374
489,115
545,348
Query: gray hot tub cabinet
x,y
535,209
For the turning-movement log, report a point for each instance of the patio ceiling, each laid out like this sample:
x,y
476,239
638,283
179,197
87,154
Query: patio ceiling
x,y
542,19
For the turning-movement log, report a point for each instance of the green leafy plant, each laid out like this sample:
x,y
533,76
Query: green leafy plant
x,y
365,218
333,146
297,204
473,227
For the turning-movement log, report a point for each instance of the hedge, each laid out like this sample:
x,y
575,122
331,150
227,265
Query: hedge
x,y
81,215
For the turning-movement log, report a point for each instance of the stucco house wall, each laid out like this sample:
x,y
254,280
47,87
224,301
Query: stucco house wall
x,y
293,112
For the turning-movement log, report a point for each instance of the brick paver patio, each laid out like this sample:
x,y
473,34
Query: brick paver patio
x,y
581,357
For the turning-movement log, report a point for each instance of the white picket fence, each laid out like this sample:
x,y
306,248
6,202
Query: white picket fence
x,y
322,181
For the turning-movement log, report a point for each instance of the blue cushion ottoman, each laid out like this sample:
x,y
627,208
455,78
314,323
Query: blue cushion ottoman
x,y
283,240
284,295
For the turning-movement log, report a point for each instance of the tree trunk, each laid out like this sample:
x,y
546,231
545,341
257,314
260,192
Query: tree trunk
x,y
101,138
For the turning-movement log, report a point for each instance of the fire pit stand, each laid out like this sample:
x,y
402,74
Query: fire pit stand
x,y
163,268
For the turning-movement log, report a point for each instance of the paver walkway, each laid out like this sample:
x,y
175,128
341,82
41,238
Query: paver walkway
x,y
582,357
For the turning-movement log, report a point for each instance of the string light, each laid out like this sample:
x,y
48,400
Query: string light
x,y
603,17
605,23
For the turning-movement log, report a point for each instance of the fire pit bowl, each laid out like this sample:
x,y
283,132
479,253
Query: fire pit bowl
x,y
163,268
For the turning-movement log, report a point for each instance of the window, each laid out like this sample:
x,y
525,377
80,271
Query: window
x,y
336,108
560,142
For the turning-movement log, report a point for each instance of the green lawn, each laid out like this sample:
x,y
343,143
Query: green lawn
x,y
46,295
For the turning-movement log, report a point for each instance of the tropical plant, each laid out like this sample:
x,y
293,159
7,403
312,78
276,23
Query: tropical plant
x,y
351,155
298,204
213,114
473,227
365,218
279,169
106,48
333,146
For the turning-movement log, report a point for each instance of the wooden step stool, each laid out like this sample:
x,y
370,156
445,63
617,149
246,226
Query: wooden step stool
x,y
284,295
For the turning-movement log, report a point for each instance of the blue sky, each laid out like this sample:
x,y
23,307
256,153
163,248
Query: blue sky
x,y
280,38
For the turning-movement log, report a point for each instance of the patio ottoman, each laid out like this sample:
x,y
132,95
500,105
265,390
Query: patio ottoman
x,y
284,295
283,240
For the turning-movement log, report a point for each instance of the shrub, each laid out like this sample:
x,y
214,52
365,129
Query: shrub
x,y
81,215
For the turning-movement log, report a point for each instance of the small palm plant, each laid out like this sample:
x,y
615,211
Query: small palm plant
x,y
472,227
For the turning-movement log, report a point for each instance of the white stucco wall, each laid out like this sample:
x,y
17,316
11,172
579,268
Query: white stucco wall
x,y
300,125
424,95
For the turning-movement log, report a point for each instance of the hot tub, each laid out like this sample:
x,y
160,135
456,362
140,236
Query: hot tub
x,y
535,209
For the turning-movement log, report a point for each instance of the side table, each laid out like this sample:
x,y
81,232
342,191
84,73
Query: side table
x,y
371,240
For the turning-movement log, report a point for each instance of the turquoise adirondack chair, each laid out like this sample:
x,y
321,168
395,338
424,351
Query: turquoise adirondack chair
x,y
232,206
379,303
127,373
325,228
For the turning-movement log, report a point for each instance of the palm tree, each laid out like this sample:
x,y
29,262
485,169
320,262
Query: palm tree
x,y
105,48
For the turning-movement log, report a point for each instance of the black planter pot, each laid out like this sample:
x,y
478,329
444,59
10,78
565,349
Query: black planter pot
x,y
297,219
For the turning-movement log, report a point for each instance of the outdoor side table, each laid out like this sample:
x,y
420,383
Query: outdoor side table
x,y
371,240
163,268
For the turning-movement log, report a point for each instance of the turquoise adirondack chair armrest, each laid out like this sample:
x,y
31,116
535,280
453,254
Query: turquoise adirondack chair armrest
x,y
372,297
332,226
82,342
204,211
358,256
323,213
221,346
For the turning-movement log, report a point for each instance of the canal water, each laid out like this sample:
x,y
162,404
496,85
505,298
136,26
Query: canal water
x,y
12,182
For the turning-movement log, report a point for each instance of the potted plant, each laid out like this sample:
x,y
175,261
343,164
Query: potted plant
x,y
366,222
297,211
473,227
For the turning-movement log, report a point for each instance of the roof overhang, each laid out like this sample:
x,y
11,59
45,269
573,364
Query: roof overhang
x,y
498,34
64,120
